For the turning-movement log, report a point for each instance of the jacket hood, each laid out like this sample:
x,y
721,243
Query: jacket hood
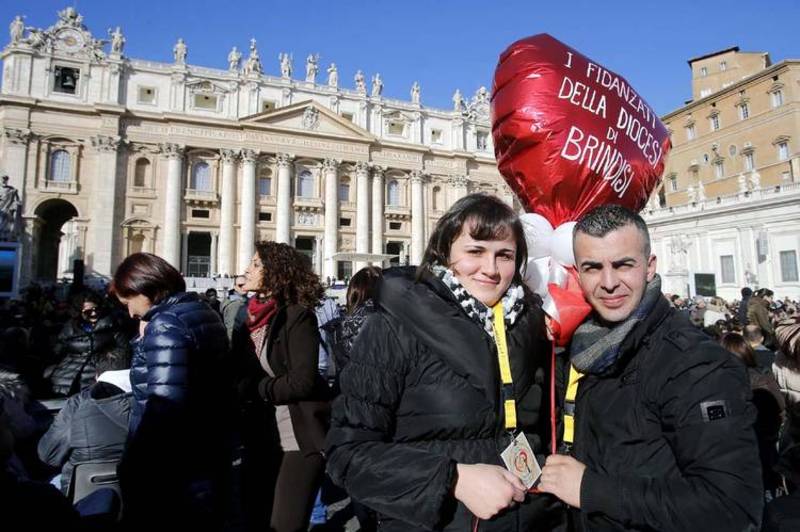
x,y
431,315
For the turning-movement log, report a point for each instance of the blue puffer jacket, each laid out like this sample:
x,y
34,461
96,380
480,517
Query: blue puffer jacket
x,y
183,394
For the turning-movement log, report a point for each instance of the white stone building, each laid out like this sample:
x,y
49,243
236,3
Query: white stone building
x,y
114,155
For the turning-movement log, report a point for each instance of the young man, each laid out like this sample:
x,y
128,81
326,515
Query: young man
x,y
663,423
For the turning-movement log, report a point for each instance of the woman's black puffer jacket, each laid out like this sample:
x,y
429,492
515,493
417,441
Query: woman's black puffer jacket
x,y
420,394
78,345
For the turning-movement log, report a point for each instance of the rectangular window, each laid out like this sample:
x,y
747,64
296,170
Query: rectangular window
x,y
719,169
264,216
690,133
436,136
777,98
65,80
783,151
744,111
205,101
673,184
396,127
344,192
714,120
267,105
483,141
723,66
704,72
727,270
265,186
201,213
789,266
395,226
348,116
749,161
146,95
344,222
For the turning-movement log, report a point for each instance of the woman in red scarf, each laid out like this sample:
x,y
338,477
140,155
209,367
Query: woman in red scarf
x,y
284,401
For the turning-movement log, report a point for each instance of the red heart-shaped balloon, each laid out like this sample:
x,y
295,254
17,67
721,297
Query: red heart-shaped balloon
x,y
569,134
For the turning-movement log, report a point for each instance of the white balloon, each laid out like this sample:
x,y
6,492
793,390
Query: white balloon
x,y
561,244
537,274
538,235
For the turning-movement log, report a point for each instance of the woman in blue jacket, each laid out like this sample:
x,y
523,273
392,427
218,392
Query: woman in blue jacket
x,y
174,467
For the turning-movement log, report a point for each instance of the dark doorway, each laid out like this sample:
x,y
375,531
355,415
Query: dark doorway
x,y
53,214
198,255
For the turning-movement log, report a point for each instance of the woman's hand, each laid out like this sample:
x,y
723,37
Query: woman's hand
x,y
487,489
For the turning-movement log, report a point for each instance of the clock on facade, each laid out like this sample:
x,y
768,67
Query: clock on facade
x,y
70,40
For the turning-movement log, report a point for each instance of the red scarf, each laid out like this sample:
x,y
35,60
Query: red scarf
x,y
259,314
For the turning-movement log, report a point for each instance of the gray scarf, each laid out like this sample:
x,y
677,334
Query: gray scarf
x,y
596,347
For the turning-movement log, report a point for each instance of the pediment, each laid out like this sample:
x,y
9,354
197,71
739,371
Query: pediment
x,y
308,117
204,86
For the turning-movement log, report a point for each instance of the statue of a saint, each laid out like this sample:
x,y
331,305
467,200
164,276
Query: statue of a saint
x,y
377,85
458,101
234,59
117,41
361,84
10,212
16,29
415,92
253,64
312,68
179,51
286,65
482,95
333,76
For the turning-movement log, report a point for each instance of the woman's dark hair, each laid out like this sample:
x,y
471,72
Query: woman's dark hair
x,y
288,276
148,275
489,218
362,287
736,344
85,296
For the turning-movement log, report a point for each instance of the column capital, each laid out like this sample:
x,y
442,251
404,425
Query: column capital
x,y
106,143
248,155
330,165
172,151
418,177
284,160
458,181
17,136
362,167
228,156
378,171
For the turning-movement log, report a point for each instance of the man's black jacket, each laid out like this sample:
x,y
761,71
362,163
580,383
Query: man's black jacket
x,y
668,438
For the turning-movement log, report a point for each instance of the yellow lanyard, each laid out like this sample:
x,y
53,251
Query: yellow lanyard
x,y
569,404
509,404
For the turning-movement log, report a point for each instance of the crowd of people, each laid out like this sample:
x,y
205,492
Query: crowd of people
x,y
434,396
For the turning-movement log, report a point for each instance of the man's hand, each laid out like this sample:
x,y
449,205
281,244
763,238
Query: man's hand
x,y
487,489
562,476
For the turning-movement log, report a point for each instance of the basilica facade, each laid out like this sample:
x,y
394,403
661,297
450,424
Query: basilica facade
x,y
112,155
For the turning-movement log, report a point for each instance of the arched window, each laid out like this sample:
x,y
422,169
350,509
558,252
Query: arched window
x,y
344,190
437,199
305,184
393,193
201,177
60,166
141,173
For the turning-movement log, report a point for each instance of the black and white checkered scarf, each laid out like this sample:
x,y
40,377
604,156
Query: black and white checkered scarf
x,y
513,300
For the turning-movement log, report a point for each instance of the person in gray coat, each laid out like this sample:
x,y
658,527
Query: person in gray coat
x,y
93,424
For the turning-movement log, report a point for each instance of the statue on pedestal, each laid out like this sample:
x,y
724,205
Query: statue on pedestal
x,y
179,52
253,64
117,41
234,59
286,65
312,67
361,84
16,30
10,212
415,89
377,85
458,101
333,76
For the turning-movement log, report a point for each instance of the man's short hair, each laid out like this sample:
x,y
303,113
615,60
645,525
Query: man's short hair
x,y
604,219
113,359
753,334
747,291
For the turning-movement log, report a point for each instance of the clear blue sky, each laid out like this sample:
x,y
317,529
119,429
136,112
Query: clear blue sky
x,y
442,43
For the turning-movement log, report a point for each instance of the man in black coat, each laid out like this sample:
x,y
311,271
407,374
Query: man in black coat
x,y
663,420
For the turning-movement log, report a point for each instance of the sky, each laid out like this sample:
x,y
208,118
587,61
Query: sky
x,y
442,44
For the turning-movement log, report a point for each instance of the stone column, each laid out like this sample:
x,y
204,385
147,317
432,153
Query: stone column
x,y
417,217
103,201
329,169
213,250
795,166
185,253
319,261
284,193
15,160
362,212
377,210
247,208
171,249
458,188
226,260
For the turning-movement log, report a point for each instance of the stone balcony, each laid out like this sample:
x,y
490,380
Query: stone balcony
x,y
60,187
201,197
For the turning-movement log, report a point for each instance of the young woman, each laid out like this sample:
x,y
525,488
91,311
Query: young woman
x,y
174,467
284,400
421,422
